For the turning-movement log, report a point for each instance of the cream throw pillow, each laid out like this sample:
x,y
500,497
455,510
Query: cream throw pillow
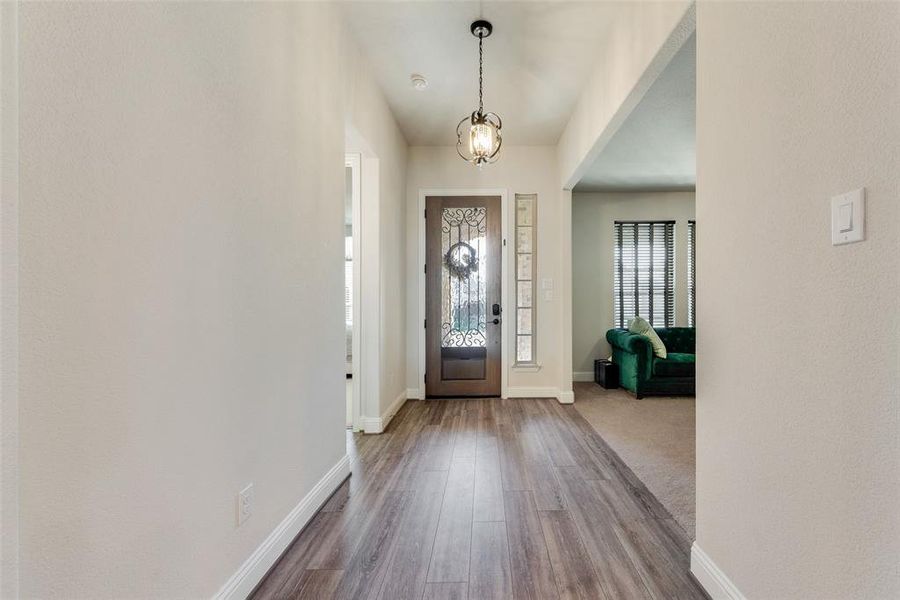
x,y
640,326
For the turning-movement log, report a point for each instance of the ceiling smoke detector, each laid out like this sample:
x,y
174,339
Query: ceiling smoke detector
x,y
418,81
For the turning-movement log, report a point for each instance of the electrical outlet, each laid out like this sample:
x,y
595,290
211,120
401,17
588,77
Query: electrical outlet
x,y
244,504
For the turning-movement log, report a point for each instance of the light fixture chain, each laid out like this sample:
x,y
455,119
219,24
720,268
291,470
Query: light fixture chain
x,y
480,75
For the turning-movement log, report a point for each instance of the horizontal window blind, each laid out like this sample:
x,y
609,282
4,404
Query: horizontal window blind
x,y
692,273
644,272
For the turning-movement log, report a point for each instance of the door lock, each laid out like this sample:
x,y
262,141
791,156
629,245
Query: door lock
x,y
495,309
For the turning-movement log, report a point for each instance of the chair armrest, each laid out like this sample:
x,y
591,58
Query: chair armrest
x,y
629,342
634,355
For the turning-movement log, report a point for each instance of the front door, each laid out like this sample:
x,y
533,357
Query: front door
x,y
462,296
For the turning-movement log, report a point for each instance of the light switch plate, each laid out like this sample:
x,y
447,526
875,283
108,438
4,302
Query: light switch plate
x,y
848,217
244,504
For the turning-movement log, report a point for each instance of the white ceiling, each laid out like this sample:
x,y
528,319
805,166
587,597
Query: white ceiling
x,y
654,149
535,63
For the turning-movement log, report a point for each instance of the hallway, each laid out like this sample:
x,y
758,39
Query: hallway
x,y
486,498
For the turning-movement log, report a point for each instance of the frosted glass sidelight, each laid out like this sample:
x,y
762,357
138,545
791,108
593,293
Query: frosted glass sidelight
x,y
523,349
525,247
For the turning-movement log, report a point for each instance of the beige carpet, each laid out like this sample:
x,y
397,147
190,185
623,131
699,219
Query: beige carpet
x,y
654,436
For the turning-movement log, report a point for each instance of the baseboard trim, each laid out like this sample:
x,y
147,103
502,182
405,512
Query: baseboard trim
x,y
531,392
582,376
566,397
242,583
413,394
379,424
711,577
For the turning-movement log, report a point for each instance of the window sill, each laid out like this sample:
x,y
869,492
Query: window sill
x,y
526,367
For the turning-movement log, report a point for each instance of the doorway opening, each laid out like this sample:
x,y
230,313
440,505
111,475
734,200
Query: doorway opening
x,y
352,255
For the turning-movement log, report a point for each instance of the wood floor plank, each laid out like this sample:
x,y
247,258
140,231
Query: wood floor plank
x,y
575,576
452,542
338,543
486,437
411,551
572,438
365,571
548,494
286,577
490,574
549,431
537,501
532,573
465,434
438,450
446,591
615,468
618,575
417,454
660,566
317,584
533,450
341,496
512,459
488,501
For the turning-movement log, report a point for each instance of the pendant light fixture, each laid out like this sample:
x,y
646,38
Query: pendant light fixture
x,y
482,132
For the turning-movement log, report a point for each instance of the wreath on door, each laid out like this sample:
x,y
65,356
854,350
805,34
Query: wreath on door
x,y
461,260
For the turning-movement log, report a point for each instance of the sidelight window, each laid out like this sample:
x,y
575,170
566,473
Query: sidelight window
x,y
526,264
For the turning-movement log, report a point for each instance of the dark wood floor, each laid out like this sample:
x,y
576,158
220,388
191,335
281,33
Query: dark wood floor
x,y
486,498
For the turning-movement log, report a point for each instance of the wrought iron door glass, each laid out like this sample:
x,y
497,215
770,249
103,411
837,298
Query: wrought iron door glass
x,y
463,277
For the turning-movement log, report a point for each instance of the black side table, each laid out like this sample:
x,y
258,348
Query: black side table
x,y
606,374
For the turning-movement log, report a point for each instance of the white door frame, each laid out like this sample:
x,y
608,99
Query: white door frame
x,y
504,277
354,162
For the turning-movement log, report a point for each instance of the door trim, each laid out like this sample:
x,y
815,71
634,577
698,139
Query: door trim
x,y
504,283
353,160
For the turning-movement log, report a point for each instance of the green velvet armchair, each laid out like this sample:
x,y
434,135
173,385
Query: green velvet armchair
x,y
644,373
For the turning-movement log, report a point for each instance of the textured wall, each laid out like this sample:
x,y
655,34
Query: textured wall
x,y
593,244
181,286
798,452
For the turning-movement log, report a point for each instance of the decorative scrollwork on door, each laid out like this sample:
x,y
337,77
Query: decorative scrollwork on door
x,y
463,277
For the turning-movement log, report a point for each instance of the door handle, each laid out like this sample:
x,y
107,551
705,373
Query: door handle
x,y
496,321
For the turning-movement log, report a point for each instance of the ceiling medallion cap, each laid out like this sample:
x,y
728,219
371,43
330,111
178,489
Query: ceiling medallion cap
x,y
481,29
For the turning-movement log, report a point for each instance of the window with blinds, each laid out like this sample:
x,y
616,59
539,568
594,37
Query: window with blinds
x,y
644,272
692,273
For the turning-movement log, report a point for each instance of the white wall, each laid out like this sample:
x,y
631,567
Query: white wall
x,y
374,133
181,240
593,217
798,452
642,41
9,300
521,169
